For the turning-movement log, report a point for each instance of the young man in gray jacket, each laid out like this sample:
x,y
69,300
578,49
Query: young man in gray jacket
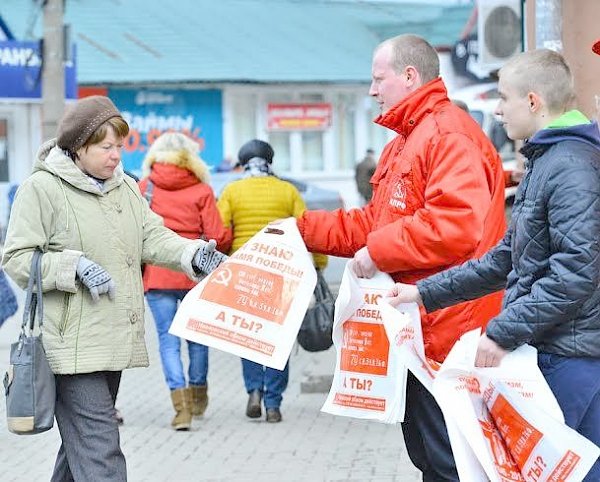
x,y
549,260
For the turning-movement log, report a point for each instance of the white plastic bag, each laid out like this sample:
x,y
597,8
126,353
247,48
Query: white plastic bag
x,y
543,447
504,423
507,420
253,304
403,327
368,383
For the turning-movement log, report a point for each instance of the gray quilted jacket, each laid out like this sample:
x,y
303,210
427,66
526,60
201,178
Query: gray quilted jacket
x,y
549,259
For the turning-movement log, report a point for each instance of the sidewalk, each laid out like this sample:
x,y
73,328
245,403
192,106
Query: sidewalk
x,y
224,445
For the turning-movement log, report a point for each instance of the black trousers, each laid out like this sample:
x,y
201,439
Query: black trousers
x,y
85,415
426,436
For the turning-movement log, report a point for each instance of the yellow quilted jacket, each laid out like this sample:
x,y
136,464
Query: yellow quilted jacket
x,y
249,204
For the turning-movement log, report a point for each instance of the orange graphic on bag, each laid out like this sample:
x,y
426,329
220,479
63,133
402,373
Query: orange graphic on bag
x,y
520,436
251,290
365,348
505,465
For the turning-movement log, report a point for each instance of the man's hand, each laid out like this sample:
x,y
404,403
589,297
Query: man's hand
x,y
402,293
364,267
207,258
489,353
95,278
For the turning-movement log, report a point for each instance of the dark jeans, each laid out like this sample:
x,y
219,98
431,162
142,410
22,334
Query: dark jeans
x,y
575,383
425,434
85,415
269,381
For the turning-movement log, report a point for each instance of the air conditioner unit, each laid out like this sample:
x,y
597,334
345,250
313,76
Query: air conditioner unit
x,y
499,32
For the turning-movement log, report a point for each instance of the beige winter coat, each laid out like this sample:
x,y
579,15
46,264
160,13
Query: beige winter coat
x,y
59,210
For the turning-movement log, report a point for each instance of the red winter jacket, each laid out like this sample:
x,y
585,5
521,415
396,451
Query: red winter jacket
x,y
187,206
438,201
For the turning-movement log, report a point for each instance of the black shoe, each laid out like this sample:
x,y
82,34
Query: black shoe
x,y
119,417
253,409
273,415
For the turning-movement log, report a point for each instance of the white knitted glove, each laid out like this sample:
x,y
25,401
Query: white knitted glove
x,y
95,278
207,258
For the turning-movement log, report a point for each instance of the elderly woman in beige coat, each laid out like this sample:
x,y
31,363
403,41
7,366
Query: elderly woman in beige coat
x,y
95,230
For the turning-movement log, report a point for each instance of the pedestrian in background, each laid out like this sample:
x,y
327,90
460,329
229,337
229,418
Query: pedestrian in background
x,y
438,200
246,206
95,230
8,300
363,173
549,259
175,184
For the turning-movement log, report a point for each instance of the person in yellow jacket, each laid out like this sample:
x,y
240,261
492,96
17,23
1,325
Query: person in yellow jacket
x,y
246,206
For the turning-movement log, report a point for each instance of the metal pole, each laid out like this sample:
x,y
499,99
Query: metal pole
x,y
53,76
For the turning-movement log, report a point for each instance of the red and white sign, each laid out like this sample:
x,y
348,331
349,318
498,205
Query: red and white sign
x,y
294,117
252,305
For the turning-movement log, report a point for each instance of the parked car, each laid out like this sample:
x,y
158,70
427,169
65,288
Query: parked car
x,y
314,196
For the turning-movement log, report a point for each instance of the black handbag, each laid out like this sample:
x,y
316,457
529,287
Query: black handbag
x,y
29,382
315,331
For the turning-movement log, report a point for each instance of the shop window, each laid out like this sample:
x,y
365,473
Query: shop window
x,y
312,151
243,120
312,157
345,131
4,151
280,142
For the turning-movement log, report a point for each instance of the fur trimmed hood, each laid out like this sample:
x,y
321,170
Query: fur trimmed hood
x,y
177,149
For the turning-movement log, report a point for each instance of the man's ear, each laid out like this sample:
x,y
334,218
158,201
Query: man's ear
x,y
535,102
413,78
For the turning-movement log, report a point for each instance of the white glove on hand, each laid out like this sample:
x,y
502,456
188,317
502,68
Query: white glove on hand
x,y
207,258
95,278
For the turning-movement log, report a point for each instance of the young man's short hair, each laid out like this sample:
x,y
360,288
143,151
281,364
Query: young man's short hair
x,y
545,72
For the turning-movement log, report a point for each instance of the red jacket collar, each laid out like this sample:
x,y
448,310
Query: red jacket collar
x,y
406,114
171,177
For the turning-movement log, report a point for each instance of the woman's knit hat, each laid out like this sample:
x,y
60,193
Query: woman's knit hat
x,y
81,120
255,148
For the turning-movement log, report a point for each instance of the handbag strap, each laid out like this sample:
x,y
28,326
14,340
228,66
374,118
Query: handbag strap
x,y
33,299
322,291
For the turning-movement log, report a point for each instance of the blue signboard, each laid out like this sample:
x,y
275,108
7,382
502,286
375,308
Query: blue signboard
x,y
150,112
20,71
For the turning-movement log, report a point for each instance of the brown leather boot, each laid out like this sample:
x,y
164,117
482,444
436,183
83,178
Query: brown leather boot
x,y
182,405
199,397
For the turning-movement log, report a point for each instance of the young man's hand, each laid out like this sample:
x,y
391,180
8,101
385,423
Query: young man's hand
x,y
489,353
363,265
402,293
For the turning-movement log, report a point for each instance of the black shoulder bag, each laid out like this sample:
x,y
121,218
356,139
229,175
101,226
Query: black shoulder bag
x,y
317,326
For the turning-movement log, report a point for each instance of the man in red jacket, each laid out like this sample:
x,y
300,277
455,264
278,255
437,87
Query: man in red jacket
x,y
438,200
